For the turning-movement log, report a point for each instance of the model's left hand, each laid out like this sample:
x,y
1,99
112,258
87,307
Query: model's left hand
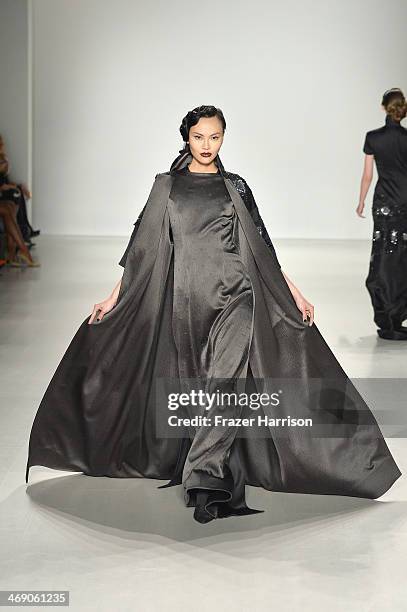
x,y
305,307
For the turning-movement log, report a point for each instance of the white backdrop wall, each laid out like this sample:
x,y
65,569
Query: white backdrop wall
x,y
300,83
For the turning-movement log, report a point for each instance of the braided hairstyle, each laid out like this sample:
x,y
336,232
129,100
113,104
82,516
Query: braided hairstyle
x,y
395,103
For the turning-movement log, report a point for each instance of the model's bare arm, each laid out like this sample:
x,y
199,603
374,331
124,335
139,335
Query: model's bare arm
x,y
365,183
305,307
99,310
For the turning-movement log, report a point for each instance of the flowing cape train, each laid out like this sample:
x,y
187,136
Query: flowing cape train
x,y
98,414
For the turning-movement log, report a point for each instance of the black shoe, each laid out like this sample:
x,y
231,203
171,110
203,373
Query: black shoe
x,y
393,334
200,513
35,233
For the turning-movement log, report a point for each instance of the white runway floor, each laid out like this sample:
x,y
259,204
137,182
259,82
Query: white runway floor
x,y
122,544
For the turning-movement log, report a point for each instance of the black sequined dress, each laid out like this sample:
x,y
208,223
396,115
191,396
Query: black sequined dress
x,y
387,276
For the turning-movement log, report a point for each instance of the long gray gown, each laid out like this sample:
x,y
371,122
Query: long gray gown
x,y
212,319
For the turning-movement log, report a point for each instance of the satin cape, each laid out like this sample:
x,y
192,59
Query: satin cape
x,y
98,414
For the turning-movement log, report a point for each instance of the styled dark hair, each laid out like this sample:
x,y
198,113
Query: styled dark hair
x,y
190,119
193,116
395,103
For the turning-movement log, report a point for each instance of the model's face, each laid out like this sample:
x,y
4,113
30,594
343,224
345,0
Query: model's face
x,y
205,139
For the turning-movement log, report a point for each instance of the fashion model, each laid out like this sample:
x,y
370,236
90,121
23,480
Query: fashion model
x,y
387,278
203,301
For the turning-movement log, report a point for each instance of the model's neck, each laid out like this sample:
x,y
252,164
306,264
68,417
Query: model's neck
x,y
390,121
195,166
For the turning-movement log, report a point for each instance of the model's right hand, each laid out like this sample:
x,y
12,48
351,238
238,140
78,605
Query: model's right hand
x,y
99,310
359,210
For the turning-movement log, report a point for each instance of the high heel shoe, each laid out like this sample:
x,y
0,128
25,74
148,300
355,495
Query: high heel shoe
x,y
21,260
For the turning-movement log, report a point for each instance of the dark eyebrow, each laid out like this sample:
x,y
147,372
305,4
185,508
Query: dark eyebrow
x,y
204,134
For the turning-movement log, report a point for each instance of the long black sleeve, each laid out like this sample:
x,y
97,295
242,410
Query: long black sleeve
x,y
248,198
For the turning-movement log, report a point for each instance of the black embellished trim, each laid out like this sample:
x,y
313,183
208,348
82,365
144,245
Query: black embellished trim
x,y
390,225
247,196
